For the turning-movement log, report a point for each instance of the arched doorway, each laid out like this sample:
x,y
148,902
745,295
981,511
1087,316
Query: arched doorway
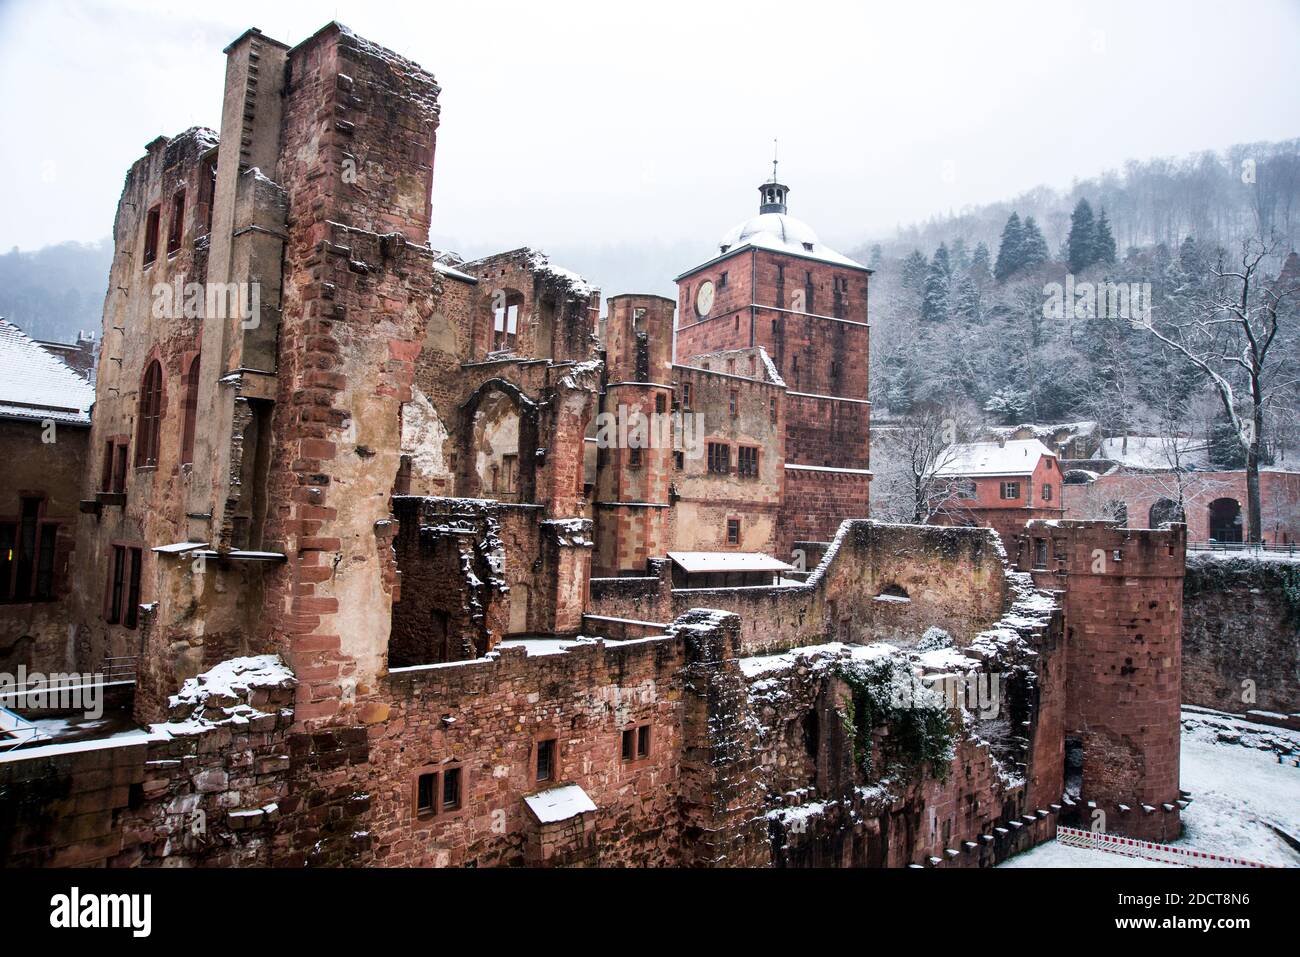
x,y
1226,523
1165,511
499,444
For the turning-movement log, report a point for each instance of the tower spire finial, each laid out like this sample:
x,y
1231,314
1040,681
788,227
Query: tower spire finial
x,y
774,155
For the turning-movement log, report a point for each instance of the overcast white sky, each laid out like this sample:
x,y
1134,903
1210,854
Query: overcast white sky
x,y
569,123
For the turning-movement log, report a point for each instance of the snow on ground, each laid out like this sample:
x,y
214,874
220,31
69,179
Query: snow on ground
x,y
1238,787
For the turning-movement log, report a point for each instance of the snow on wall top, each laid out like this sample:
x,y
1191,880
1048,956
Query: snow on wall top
x,y
1017,457
36,385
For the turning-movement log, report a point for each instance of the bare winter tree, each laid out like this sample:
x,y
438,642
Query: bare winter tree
x,y
1227,327
907,456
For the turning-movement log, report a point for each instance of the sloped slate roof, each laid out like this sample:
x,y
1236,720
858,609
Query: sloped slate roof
x,y
36,385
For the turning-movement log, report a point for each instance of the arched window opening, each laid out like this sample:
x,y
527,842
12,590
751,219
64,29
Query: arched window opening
x,y
149,421
191,410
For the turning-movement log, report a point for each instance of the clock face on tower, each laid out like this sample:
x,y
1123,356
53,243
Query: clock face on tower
x,y
704,298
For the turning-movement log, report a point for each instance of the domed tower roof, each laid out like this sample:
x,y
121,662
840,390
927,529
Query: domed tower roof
x,y
775,229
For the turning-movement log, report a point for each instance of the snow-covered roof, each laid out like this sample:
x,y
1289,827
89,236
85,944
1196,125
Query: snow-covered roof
x,y
34,384
1154,452
559,804
694,562
781,232
1017,457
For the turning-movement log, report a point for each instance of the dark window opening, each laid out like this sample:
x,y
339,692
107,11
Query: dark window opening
x,y
176,225
546,760
661,403
151,221
643,741
424,793
149,426
191,411
1010,490
747,461
451,789
734,402
634,458
1040,553
719,458
679,460
629,744
733,531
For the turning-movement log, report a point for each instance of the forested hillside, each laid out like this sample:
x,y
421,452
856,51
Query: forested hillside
x,y
993,316
52,293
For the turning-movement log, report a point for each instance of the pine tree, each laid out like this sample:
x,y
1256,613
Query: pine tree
x,y
1011,249
966,301
981,269
934,301
1104,242
877,257
1032,244
914,269
958,256
1081,244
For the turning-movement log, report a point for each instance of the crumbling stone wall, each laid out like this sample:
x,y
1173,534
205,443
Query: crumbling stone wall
x,y
1241,633
203,789
953,578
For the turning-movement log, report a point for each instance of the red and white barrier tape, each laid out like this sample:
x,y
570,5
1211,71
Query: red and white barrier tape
x,y
1148,850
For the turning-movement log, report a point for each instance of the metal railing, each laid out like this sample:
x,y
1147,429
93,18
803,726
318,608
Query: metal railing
x,y
1246,548
119,669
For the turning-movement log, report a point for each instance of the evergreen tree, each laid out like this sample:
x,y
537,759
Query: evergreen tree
x,y
914,269
1104,243
934,301
1011,249
958,256
1032,245
1225,451
966,301
1081,244
877,257
981,268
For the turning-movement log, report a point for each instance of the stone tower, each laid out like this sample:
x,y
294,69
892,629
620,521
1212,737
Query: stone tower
x,y
775,285
1122,597
635,440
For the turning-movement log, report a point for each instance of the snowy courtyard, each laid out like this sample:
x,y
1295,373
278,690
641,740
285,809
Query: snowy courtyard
x,y
1239,792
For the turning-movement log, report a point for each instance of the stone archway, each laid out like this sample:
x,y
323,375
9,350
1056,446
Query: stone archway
x,y
1163,512
1226,522
498,431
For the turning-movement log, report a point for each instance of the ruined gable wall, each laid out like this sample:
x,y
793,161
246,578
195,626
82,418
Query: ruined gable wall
x,y
359,291
156,496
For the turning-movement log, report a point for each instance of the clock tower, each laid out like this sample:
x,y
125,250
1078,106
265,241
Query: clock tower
x,y
774,285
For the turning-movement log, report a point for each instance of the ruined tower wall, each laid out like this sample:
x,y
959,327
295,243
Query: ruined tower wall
x,y
358,292
1123,606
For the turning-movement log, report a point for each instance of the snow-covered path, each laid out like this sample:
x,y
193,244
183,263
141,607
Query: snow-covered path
x,y
1237,788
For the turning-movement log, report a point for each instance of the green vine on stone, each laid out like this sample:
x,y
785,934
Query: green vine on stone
x,y
884,693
